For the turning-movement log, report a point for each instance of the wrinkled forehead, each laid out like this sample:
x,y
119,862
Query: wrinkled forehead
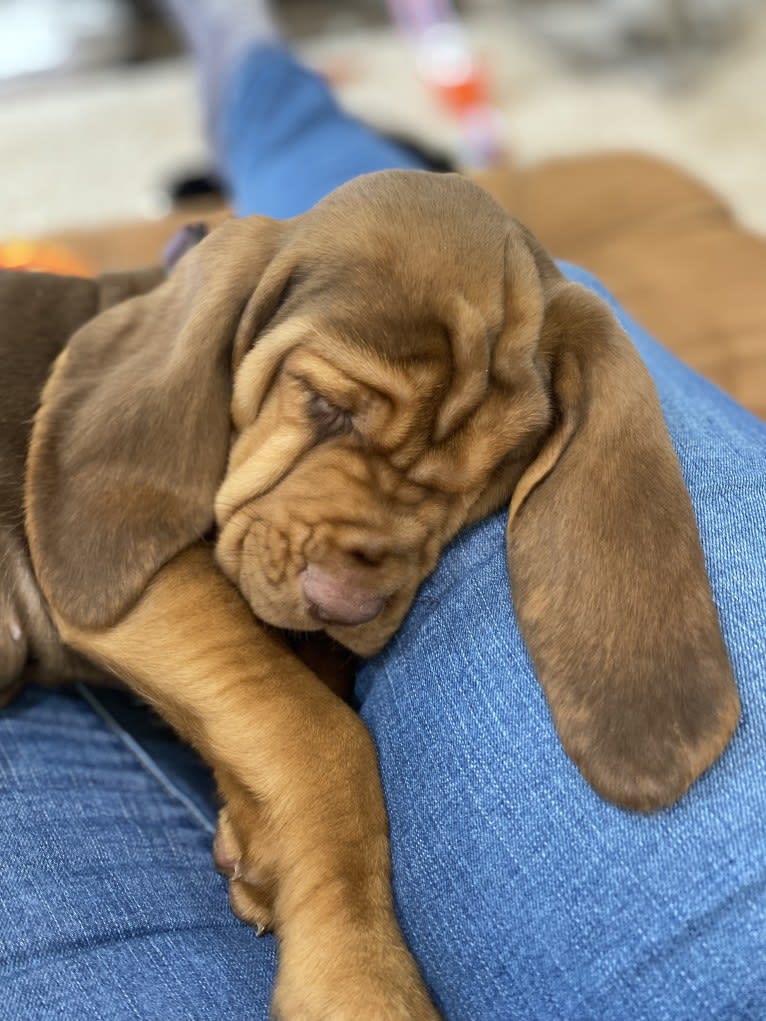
x,y
403,278
405,243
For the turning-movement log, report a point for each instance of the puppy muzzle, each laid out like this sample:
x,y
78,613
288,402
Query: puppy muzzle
x,y
337,596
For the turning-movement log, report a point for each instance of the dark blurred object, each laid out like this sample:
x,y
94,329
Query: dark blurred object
x,y
197,185
433,160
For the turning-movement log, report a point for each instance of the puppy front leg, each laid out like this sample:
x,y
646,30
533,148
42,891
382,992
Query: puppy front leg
x,y
300,772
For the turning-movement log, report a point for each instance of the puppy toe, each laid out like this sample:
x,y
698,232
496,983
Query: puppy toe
x,y
251,899
226,850
252,904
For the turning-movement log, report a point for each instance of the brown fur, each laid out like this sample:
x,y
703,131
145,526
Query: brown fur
x,y
38,315
329,400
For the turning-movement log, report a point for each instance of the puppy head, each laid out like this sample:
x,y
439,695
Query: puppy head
x,y
338,395
372,416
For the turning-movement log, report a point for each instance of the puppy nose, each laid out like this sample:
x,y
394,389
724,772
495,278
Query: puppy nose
x,y
336,596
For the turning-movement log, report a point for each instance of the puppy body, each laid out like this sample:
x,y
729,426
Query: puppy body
x,y
329,968
39,313
332,399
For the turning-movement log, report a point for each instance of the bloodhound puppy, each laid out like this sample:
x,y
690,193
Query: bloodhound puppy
x,y
282,436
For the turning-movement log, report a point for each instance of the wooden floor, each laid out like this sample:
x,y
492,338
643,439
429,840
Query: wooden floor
x,y
663,244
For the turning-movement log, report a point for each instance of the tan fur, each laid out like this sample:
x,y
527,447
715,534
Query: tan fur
x,y
326,402
304,820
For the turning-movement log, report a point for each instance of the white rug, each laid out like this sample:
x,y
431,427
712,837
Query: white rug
x,y
101,147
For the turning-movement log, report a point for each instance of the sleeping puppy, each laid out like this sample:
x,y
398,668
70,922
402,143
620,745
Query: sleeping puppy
x,y
283,435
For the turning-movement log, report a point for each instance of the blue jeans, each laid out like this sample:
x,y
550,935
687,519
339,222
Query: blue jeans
x,y
521,892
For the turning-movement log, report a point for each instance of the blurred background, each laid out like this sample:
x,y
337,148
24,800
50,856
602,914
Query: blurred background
x,y
98,113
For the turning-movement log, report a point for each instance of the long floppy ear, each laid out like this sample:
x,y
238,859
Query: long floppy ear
x,y
608,576
132,436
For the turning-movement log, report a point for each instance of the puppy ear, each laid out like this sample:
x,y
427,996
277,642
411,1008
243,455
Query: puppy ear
x,y
608,576
112,288
132,436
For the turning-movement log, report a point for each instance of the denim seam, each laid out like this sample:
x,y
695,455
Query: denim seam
x,y
144,759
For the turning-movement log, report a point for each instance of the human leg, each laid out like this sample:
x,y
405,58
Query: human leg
x,y
285,141
522,893
109,905
281,138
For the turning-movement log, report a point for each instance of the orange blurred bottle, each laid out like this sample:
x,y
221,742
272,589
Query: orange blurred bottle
x,y
448,67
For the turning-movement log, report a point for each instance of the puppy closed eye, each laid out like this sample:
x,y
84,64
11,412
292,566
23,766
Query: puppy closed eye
x,y
328,419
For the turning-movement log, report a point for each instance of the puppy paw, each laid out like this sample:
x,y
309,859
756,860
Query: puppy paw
x,y
342,955
251,893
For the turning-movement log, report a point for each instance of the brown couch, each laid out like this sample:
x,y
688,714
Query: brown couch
x,y
666,246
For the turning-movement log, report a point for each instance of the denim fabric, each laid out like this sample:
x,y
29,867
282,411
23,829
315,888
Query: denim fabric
x,y
522,893
109,905
284,142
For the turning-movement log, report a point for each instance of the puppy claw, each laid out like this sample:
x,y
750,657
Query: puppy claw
x,y
251,906
251,892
